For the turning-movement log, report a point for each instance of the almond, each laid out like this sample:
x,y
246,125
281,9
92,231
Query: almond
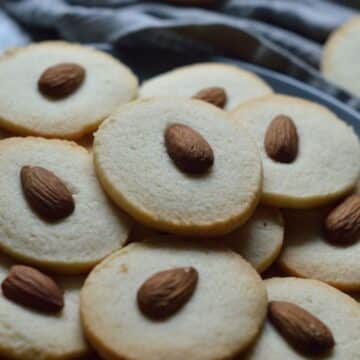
x,y
188,149
31,288
306,333
281,140
61,80
46,193
342,225
166,292
213,95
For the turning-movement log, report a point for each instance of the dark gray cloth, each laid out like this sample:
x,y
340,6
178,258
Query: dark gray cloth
x,y
283,35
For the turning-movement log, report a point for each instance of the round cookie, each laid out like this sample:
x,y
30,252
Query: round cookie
x,y
306,253
340,56
222,317
27,334
75,243
327,164
136,171
336,310
107,84
239,85
260,240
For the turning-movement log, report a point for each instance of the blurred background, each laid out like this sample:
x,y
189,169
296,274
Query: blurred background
x,y
283,35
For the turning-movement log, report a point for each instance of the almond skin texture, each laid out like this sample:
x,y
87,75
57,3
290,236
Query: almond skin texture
x,y
342,225
306,333
164,293
281,140
31,288
213,95
46,193
190,152
61,80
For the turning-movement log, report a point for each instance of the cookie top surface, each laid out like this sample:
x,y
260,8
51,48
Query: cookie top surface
x,y
306,252
327,163
239,85
260,240
221,318
25,111
341,54
27,334
134,167
338,311
75,243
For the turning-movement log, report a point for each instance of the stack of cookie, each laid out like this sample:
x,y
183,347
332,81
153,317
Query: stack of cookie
x,y
148,243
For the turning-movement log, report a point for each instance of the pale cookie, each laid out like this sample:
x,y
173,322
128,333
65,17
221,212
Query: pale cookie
x,y
134,167
221,318
239,85
25,110
339,312
260,240
27,334
326,164
73,244
306,252
341,56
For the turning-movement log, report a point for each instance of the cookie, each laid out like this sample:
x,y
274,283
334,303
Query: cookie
x,y
324,152
340,56
27,334
307,253
102,83
336,310
239,85
70,244
260,240
220,319
141,173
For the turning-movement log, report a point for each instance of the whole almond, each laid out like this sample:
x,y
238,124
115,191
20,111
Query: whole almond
x,y
31,288
61,80
342,225
47,195
166,292
188,149
213,95
306,333
281,140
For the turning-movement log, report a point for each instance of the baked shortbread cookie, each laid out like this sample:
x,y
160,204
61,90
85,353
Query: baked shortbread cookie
x,y
239,85
340,56
260,240
27,334
221,318
338,311
307,253
102,83
71,244
326,152
152,180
